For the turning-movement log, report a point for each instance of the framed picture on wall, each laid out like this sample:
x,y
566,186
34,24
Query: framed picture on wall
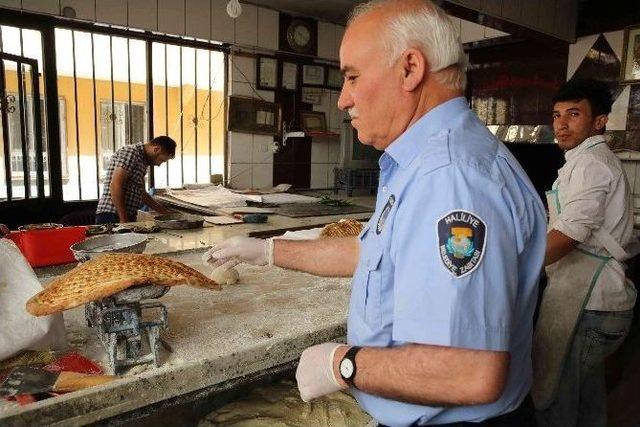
x,y
250,115
313,121
289,77
311,95
313,75
630,69
267,73
334,78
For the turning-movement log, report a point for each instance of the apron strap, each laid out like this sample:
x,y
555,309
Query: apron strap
x,y
610,244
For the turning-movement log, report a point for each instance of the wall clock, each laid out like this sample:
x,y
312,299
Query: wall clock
x,y
300,36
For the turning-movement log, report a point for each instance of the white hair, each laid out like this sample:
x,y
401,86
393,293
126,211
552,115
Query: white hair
x,y
428,29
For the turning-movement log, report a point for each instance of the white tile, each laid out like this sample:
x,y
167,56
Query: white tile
x,y
577,52
319,150
240,147
334,150
490,33
222,25
331,176
111,12
456,24
268,22
336,116
616,40
247,26
619,111
198,19
84,9
318,175
241,89
339,33
13,4
262,176
171,16
243,69
262,151
471,32
143,14
51,7
267,95
326,40
240,176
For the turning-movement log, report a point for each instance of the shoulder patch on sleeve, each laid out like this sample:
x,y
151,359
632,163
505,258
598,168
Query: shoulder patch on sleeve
x,y
461,241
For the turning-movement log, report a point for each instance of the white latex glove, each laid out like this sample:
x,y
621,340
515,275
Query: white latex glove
x,y
243,249
315,371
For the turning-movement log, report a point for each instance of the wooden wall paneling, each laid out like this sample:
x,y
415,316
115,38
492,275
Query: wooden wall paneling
x,y
13,4
530,14
492,7
171,16
51,7
143,14
198,19
112,12
547,15
85,9
222,25
512,9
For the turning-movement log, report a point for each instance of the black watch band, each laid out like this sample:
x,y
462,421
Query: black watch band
x,y
350,356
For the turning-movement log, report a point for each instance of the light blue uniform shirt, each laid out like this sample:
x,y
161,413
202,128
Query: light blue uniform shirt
x,y
447,176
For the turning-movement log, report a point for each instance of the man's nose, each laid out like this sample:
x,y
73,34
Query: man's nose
x,y
344,101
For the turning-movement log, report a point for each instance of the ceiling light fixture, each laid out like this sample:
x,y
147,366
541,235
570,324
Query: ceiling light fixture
x,y
234,9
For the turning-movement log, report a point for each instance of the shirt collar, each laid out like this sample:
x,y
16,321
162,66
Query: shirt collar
x,y
408,145
584,145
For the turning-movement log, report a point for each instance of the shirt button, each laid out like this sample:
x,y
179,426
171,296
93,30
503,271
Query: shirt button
x,y
384,189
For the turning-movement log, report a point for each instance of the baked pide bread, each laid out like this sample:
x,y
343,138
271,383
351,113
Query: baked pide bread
x,y
109,274
342,228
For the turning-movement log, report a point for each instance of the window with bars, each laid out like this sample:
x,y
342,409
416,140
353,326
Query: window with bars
x,y
109,93
17,165
120,124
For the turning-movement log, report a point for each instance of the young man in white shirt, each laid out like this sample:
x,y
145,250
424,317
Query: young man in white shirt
x,y
587,305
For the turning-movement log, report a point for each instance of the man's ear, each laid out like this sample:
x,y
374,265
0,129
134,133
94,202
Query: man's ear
x,y
413,66
600,122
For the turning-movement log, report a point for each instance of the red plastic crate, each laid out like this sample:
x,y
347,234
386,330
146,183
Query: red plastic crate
x,y
48,246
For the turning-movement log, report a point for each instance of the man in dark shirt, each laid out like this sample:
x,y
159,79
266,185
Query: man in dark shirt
x,y
124,192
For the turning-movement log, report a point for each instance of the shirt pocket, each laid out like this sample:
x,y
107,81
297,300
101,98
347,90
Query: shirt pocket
x,y
373,288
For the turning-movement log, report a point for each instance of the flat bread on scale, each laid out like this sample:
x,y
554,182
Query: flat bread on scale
x,y
343,228
109,274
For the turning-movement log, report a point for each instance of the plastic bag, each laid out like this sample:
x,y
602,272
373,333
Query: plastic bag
x,y
20,330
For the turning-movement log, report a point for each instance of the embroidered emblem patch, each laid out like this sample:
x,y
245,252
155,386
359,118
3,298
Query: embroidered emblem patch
x,y
461,241
385,214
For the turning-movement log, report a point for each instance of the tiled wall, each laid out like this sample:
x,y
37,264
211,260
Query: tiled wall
x,y
600,56
250,157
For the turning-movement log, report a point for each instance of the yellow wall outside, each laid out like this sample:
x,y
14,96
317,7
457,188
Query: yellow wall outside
x,y
86,134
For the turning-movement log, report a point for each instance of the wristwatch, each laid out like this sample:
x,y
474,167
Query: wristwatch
x,y
348,365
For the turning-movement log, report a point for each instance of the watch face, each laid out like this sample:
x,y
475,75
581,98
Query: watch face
x,y
299,36
346,368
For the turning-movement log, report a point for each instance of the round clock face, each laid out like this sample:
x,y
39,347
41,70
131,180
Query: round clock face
x,y
299,36
346,368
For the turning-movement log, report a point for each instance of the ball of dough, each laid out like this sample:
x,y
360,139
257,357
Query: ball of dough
x,y
225,276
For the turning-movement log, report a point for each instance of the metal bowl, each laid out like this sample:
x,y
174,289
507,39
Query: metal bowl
x,y
132,243
179,221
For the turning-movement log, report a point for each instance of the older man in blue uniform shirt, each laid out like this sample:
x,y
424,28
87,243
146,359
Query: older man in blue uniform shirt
x,y
445,273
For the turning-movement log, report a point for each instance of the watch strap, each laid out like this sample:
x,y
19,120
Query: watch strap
x,y
351,355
